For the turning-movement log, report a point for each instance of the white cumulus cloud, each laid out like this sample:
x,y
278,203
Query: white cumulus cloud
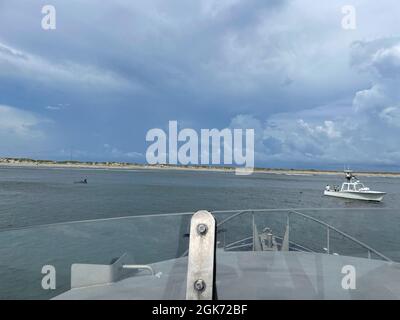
x,y
21,132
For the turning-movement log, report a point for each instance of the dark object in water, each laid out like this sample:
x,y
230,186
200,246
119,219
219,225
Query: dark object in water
x,y
84,181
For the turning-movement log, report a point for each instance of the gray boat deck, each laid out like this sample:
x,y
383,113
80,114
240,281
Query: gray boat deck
x,y
259,275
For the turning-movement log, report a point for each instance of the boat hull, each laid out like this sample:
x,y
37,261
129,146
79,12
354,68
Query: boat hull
x,y
366,196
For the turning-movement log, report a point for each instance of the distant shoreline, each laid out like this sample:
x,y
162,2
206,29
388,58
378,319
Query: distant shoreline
x,y
18,163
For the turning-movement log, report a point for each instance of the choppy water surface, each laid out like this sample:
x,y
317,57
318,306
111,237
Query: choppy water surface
x,y
36,196
41,196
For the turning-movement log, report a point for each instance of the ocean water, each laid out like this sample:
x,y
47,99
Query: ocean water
x,y
32,199
34,196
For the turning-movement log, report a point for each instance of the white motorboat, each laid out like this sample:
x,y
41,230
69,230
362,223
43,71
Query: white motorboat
x,y
353,189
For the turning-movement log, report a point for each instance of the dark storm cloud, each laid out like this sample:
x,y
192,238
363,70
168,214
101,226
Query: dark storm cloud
x,y
112,71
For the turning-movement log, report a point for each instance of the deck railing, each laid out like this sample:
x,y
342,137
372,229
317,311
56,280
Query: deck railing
x,y
329,229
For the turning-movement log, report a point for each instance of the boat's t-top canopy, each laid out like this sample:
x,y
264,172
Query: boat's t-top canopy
x,y
349,175
352,183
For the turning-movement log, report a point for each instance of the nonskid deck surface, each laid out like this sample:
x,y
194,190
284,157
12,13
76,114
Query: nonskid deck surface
x,y
260,275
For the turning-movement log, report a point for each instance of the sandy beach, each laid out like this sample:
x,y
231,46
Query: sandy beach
x,y
8,162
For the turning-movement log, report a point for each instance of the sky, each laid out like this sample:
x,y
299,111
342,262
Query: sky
x,y
318,95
